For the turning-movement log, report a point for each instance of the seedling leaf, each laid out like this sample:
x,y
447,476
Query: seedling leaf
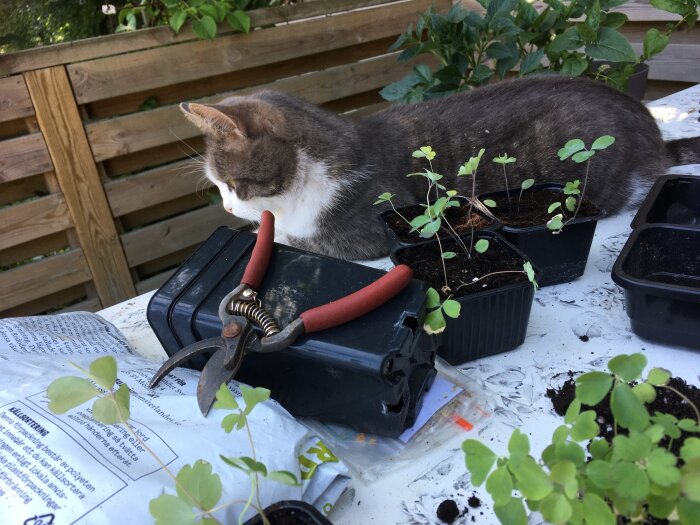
x,y
104,371
490,203
628,367
500,486
111,411
582,156
434,322
225,399
253,396
451,308
570,203
283,476
171,510
433,298
658,376
69,392
479,460
602,142
481,245
512,513
570,148
629,412
597,511
527,184
592,387
449,255
553,207
198,485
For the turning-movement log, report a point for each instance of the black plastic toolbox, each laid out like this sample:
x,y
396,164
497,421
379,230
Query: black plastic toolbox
x,y
369,374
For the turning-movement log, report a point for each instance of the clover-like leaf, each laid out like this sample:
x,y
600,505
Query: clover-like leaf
x,y
432,298
451,308
253,396
434,322
555,508
599,448
533,482
582,156
633,447
603,142
555,223
669,423
690,449
283,476
104,371
658,376
585,426
481,245
661,467
479,460
225,399
384,197
112,410
630,481
600,473
572,411
628,410
171,510
570,148
597,511
644,392
592,387
500,486
628,367
518,446
199,485
233,420
560,434
512,513
69,392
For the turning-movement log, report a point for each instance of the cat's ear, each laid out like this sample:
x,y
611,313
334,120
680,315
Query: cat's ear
x,y
210,120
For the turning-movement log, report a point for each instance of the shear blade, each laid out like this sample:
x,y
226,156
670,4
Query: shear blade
x,y
184,355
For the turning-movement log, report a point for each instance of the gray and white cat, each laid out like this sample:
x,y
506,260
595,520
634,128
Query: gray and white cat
x,y
320,173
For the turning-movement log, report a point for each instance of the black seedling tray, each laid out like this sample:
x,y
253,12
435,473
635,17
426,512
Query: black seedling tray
x,y
673,199
659,270
369,374
490,322
561,257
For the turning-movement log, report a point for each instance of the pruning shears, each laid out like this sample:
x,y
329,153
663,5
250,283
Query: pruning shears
x,y
241,309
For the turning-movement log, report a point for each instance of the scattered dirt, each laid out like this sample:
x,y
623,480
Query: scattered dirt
x,y
666,401
531,210
448,511
457,217
461,271
474,502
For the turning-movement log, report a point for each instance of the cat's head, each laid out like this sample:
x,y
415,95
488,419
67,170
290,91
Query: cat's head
x,y
251,153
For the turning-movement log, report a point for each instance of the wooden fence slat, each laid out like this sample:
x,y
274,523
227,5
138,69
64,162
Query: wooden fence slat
x,y
678,62
38,279
33,219
77,175
174,234
23,157
116,44
88,305
154,186
143,70
14,99
139,131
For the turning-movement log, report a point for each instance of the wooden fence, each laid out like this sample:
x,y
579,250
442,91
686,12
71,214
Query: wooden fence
x,y
100,192
100,196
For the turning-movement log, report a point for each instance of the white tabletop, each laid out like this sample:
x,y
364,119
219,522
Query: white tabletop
x,y
513,384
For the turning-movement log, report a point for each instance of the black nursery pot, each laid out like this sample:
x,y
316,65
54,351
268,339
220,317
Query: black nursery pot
x,y
395,243
561,257
490,322
673,199
659,270
291,512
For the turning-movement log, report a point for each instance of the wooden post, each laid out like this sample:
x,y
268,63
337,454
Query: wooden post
x,y
59,121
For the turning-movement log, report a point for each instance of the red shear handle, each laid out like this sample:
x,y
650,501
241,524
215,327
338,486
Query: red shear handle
x,y
257,265
359,303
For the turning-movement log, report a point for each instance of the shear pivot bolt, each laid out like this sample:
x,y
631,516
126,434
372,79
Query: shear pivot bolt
x,y
231,330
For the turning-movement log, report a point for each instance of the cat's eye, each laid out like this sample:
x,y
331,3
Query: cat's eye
x,y
230,186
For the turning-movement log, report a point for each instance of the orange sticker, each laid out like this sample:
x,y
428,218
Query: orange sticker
x,y
466,425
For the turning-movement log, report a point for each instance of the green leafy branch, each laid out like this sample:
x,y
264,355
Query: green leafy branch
x,y
198,488
633,476
203,14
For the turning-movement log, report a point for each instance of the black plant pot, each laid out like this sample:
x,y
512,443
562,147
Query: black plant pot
x,y
490,322
659,270
637,81
291,512
673,199
395,243
560,257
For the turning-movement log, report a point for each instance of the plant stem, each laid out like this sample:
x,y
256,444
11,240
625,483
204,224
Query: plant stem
x,y
684,398
399,213
583,192
488,275
505,176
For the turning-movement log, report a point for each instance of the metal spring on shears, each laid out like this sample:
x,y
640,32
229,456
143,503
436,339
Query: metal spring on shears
x,y
255,313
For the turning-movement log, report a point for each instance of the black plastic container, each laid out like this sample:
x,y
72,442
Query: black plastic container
x,y
369,374
673,199
490,322
561,257
396,244
659,270
291,512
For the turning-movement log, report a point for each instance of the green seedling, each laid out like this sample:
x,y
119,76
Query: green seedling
x,y
198,489
584,478
575,191
503,160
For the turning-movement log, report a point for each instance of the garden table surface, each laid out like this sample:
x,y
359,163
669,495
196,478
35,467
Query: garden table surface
x,y
576,327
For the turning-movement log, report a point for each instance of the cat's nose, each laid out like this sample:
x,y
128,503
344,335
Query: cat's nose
x,y
229,210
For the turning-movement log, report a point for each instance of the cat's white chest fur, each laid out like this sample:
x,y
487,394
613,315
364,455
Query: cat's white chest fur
x,y
297,210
